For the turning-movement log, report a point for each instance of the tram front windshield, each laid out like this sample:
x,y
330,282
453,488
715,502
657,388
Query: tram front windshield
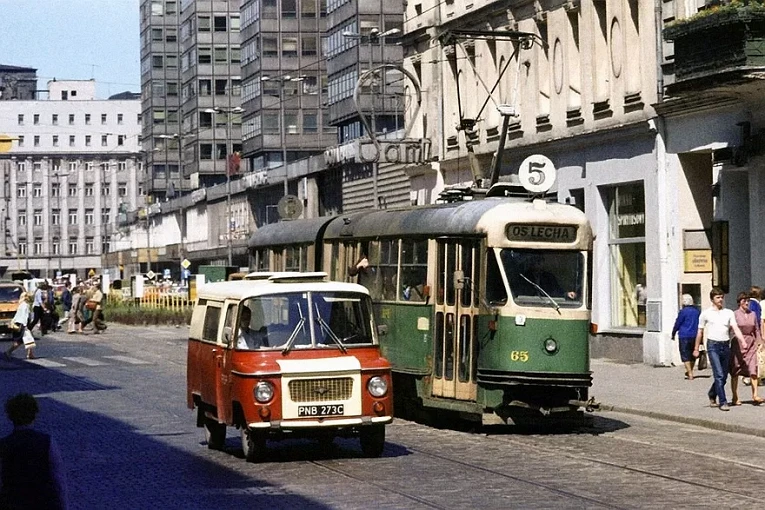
x,y
544,277
338,319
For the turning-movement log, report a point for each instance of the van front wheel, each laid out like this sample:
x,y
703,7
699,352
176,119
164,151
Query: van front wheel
x,y
372,440
253,445
215,434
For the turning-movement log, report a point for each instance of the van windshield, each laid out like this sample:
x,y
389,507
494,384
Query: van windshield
x,y
10,294
305,320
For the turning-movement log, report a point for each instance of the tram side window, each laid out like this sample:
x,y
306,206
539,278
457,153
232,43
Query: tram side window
x,y
261,260
414,271
496,293
292,258
389,269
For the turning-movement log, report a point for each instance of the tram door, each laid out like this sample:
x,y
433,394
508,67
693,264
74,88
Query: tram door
x,y
456,307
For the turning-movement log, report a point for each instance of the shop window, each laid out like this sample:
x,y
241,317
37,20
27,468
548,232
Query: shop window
x,y
627,250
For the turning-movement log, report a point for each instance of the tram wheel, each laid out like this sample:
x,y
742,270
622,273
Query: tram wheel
x,y
215,434
253,445
372,439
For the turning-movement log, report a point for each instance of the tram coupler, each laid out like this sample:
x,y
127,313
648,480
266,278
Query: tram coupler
x,y
589,405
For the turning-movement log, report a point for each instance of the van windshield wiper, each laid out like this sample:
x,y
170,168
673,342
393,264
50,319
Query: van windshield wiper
x,y
328,331
540,289
294,334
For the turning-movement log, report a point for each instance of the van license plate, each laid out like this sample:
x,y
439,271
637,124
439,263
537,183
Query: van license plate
x,y
324,410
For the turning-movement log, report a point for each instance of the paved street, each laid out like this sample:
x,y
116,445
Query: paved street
x,y
116,402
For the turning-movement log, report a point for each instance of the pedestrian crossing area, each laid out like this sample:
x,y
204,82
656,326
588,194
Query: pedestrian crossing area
x,y
81,361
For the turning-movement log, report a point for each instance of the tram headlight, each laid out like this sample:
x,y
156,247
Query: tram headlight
x,y
264,392
551,346
377,386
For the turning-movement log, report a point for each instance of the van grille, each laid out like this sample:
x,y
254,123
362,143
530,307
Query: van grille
x,y
320,390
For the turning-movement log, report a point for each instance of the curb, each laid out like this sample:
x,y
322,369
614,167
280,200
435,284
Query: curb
x,y
709,424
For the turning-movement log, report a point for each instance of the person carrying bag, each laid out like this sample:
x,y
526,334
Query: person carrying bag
x,y
21,334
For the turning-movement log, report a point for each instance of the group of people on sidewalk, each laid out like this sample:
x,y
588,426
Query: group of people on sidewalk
x,y
81,306
733,341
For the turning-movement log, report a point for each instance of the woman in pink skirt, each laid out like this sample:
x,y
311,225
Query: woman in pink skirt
x,y
743,359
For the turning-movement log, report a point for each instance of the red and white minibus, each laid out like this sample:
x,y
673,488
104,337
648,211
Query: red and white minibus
x,y
287,354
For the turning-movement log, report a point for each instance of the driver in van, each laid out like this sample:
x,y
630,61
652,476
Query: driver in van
x,y
249,338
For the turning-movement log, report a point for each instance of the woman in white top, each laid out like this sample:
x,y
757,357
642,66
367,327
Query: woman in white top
x,y
20,321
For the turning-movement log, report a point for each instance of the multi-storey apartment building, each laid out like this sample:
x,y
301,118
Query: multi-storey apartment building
x,y
191,88
17,82
284,87
75,162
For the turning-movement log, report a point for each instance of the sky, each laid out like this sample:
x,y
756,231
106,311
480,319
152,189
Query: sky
x,y
74,40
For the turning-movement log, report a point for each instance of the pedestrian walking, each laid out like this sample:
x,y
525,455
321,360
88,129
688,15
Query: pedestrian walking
x,y
75,313
32,470
686,327
94,304
66,303
744,353
19,325
39,303
715,326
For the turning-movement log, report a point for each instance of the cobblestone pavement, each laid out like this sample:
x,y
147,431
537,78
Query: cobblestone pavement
x,y
117,404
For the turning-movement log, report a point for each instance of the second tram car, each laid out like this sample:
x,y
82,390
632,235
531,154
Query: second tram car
x,y
484,303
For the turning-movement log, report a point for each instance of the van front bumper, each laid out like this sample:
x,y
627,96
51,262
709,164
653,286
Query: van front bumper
x,y
320,424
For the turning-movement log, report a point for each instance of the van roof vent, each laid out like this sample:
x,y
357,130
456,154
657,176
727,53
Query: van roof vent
x,y
299,277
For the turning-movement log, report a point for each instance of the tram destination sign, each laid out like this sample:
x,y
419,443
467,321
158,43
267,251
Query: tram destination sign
x,y
541,233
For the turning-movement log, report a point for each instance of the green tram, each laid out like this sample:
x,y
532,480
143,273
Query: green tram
x,y
483,304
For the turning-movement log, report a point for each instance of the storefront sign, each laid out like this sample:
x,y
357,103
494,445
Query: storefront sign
x,y
409,151
698,261
541,233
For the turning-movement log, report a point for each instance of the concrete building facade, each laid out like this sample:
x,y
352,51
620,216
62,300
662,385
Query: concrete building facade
x,y
74,164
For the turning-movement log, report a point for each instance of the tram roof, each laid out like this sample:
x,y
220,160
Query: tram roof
x,y
457,218
289,232
242,289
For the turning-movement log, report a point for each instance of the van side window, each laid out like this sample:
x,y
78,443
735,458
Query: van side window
x,y
230,324
210,328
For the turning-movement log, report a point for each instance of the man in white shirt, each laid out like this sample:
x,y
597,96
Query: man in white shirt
x,y
248,338
716,324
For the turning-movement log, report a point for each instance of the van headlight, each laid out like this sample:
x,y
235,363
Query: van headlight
x,y
377,386
551,346
264,391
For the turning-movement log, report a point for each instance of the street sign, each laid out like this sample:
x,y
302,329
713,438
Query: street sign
x,y
537,173
150,275
91,273
185,263
166,273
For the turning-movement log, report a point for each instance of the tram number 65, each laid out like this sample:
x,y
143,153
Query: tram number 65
x,y
522,356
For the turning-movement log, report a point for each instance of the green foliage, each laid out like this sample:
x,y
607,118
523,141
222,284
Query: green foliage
x,y
740,7
126,312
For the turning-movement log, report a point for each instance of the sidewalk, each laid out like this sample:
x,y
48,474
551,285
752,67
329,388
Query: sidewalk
x,y
662,392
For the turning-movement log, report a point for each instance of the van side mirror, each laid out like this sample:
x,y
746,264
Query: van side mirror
x,y
382,329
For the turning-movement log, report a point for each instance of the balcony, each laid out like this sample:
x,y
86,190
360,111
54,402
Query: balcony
x,y
722,46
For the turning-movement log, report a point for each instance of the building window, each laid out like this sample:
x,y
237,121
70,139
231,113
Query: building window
x,y
120,140
72,166
37,140
105,215
55,246
72,190
122,189
627,246
89,189
89,166
106,190
104,140
122,166
54,119
71,119
203,23
89,249
55,190
87,140
38,248
119,118
55,140
37,218
22,246
73,216
72,246
22,217
71,140
87,118
55,217
220,23
88,216
37,166
21,141
37,190
36,119
103,118
21,119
